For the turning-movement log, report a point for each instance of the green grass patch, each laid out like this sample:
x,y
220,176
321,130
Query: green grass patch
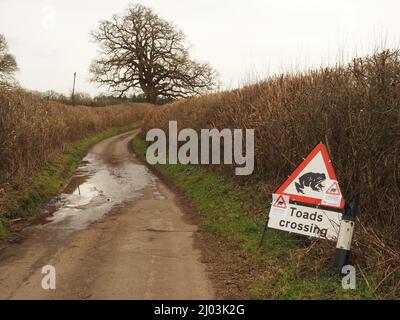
x,y
25,195
3,231
231,219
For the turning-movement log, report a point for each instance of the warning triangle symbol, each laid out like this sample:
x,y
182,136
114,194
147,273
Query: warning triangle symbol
x,y
280,203
334,189
311,179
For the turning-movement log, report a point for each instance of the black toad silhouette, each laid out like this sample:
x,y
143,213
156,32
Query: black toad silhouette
x,y
312,180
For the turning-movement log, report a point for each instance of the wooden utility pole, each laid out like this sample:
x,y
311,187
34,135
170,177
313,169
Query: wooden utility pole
x,y
73,89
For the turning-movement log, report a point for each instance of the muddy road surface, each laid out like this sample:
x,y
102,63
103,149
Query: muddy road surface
x,y
116,232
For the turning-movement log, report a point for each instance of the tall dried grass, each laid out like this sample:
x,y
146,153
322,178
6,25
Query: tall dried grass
x,y
354,109
33,130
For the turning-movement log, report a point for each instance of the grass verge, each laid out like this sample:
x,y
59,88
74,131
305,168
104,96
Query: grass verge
x,y
24,196
232,218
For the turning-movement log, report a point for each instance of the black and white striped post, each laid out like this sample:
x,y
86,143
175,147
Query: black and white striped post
x,y
345,236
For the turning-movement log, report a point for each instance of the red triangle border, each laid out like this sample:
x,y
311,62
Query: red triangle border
x,y
324,152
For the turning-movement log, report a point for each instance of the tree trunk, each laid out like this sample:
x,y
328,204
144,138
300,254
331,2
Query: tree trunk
x,y
151,97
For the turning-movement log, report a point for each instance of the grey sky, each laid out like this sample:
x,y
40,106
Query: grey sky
x,y
243,40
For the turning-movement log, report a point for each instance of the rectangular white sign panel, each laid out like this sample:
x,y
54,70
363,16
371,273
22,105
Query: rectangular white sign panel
x,y
312,222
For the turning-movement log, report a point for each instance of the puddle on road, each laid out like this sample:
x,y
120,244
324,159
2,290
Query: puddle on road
x,y
96,189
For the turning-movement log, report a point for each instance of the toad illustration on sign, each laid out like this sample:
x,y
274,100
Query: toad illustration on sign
x,y
312,180
334,189
280,203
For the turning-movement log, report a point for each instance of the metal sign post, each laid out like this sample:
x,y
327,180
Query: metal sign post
x,y
345,236
263,235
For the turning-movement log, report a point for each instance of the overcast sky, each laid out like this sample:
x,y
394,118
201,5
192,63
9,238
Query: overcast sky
x,y
243,40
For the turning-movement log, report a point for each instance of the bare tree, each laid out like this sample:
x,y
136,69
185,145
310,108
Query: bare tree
x,y
8,65
139,51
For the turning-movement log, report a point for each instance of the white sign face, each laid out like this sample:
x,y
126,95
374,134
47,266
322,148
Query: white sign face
x,y
312,222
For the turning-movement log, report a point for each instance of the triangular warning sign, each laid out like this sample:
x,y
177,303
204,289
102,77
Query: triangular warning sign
x,y
311,179
280,203
334,189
